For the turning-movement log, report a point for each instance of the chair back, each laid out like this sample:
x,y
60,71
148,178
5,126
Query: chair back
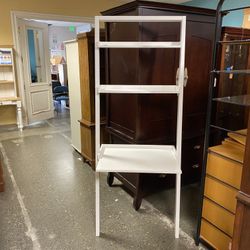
x,y
61,89
55,84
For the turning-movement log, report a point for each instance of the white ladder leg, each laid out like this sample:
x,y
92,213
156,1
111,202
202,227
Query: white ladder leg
x,y
177,205
97,203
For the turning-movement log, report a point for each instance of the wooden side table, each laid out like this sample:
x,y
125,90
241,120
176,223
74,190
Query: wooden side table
x,y
1,177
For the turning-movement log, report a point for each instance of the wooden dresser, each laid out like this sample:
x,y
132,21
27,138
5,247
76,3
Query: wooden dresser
x,y
143,119
223,179
227,157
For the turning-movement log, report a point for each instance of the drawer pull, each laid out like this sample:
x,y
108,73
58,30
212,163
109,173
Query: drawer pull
x,y
196,166
197,147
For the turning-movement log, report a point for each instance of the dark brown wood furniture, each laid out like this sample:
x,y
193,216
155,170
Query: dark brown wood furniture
x,y
241,239
143,119
1,177
87,86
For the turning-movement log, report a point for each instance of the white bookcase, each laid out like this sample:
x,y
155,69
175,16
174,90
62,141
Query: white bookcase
x,y
8,88
140,158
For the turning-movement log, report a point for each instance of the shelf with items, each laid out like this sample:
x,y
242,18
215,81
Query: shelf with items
x,y
7,73
8,89
226,134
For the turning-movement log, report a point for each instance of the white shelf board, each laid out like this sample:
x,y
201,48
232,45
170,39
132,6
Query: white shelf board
x,y
140,18
138,44
138,159
139,89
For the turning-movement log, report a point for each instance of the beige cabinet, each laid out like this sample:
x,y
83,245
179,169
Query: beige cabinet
x,y
72,56
8,88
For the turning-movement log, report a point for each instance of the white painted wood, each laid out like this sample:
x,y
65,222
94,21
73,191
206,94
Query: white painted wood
x,y
15,101
7,76
73,71
138,45
97,202
97,126
128,19
8,88
140,158
139,89
39,98
97,96
19,115
177,205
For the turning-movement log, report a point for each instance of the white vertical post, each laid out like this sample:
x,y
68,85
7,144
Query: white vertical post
x,y
97,123
179,123
19,115
97,202
177,205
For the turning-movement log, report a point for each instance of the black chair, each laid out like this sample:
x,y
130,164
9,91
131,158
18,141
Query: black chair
x,y
55,84
60,93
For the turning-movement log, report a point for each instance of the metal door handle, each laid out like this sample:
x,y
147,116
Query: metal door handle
x,y
185,76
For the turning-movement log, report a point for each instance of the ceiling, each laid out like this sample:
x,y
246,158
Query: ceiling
x,y
163,1
173,1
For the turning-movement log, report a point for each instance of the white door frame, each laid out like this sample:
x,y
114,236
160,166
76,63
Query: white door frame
x,y
14,24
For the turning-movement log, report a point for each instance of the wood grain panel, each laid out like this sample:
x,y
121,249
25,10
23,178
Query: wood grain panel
x,y
218,216
214,237
221,193
224,169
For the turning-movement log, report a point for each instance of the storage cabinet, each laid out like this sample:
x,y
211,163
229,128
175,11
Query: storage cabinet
x,y
72,55
87,89
8,88
143,119
227,124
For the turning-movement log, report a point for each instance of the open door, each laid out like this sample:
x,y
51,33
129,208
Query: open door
x,y
36,68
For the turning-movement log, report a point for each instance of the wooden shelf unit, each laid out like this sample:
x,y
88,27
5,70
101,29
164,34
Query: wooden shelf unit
x,y
8,86
226,161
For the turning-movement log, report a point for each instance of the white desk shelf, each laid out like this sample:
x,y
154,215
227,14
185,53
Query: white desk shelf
x,y
138,159
158,159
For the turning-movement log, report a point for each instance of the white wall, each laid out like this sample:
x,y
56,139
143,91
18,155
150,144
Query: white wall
x,y
58,35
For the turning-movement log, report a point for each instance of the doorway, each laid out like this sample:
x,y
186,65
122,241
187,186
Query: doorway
x,y
40,58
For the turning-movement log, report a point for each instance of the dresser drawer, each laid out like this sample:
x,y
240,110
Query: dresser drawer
x,y
214,237
218,216
224,169
221,193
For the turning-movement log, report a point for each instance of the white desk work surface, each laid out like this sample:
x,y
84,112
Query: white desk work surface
x,y
17,102
138,159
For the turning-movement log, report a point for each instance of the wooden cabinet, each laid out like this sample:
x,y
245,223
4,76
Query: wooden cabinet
x,y
241,240
7,73
144,119
87,89
225,161
223,178
8,88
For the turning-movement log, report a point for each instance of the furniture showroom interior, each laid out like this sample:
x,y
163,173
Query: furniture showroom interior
x,y
124,125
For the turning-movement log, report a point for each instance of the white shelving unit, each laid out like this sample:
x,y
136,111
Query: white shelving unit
x,y
140,158
8,91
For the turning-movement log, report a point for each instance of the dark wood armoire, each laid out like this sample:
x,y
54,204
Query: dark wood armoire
x,y
144,119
